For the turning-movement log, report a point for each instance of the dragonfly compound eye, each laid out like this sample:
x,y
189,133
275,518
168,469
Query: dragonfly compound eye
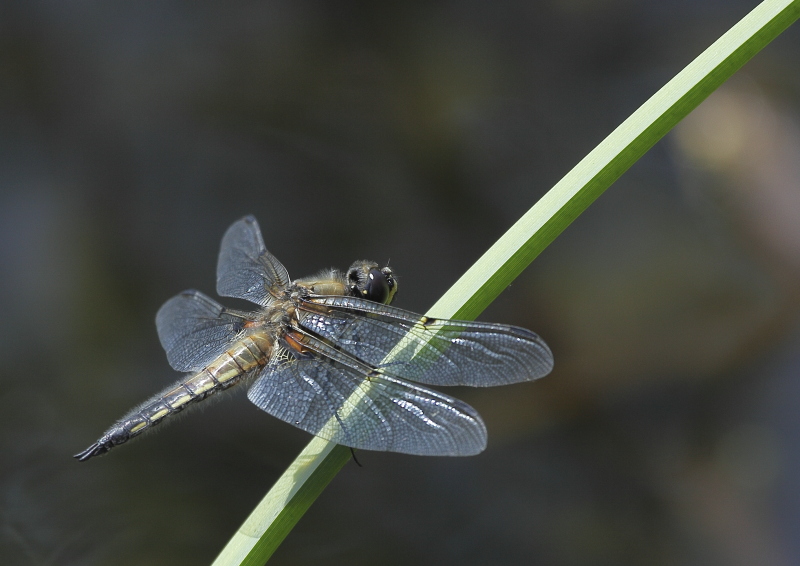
x,y
377,287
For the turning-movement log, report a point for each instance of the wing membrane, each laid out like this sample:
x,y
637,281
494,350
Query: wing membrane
x,y
246,270
194,329
330,395
430,351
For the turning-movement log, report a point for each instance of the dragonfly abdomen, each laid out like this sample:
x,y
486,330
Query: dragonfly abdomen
x,y
226,370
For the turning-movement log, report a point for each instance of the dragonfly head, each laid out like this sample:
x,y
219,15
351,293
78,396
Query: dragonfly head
x,y
367,280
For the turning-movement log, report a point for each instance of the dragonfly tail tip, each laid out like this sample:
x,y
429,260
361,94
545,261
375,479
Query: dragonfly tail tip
x,y
94,450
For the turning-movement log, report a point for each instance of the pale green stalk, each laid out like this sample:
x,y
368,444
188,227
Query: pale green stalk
x,y
314,468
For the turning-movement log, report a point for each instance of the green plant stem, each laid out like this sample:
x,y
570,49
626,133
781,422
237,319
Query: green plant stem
x,y
314,468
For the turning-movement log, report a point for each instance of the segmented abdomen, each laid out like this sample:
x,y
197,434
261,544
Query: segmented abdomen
x,y
226,370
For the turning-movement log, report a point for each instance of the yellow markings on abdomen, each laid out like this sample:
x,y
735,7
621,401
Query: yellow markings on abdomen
x,y
250,352
225,368
180,398
160,414
138,427
200,384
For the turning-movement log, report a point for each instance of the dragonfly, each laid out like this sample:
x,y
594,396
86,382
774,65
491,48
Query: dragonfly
x,y
330,355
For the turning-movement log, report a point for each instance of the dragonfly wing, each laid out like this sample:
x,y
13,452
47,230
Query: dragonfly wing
x,y
246,270
428,350
194,329
336,397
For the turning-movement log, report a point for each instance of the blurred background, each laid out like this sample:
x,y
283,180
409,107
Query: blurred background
x,y
133,135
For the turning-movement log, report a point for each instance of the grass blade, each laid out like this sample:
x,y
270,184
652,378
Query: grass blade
x,y
319,462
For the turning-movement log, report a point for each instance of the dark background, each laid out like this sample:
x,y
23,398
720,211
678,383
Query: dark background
x,y
133,135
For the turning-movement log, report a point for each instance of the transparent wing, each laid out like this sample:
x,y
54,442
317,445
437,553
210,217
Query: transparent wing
x,y
194,329
336,397
427,350
246,270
